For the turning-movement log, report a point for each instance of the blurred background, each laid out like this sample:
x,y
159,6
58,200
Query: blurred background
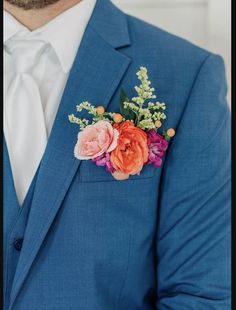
x,y
206,23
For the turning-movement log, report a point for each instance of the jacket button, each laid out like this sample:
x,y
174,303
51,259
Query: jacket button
x,y
18,244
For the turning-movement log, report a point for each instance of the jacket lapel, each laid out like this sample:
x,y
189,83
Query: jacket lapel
x,y
95,75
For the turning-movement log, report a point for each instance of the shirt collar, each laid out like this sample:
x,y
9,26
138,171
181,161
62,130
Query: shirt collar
x,y
64,32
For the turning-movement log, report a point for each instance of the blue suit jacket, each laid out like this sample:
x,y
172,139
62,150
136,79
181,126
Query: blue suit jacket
x,y
156,241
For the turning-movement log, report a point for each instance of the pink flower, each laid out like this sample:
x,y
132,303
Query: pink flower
x,y
104,161
95,140
157,146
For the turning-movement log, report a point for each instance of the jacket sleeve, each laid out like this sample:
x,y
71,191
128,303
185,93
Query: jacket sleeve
x,y
193,237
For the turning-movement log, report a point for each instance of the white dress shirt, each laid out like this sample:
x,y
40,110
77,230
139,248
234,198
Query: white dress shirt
x,y
62,36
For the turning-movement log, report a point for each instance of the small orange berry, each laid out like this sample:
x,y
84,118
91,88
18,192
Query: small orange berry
x,y
117,118
158,124
171,132
100,110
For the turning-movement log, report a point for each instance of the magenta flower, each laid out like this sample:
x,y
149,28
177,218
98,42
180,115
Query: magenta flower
x,y
104,161
157,146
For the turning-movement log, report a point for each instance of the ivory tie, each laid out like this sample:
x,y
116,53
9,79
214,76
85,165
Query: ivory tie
x,y
24,123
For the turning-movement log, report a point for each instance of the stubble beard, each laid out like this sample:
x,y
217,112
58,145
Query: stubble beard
x,y
31,4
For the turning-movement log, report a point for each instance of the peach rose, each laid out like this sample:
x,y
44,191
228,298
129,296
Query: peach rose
x,y
131,152
95,140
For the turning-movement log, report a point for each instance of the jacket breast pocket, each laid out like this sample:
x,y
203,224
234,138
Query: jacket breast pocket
x,y
89,172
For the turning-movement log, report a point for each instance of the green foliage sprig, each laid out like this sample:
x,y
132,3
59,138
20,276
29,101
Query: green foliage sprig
x,y
143,112
141,109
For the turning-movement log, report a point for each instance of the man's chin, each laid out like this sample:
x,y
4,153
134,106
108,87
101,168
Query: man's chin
x,y
31,4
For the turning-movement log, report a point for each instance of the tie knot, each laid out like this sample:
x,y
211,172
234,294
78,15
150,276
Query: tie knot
x,y
25,53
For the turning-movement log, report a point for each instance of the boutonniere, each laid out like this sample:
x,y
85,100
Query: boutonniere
x,y
123,143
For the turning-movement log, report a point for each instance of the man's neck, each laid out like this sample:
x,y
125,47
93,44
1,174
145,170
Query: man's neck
x,y
33,19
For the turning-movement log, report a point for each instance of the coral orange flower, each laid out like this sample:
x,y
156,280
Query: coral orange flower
x,y
131,152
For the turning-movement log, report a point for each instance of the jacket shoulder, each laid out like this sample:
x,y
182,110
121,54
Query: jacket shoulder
x,y
174,64
143,34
